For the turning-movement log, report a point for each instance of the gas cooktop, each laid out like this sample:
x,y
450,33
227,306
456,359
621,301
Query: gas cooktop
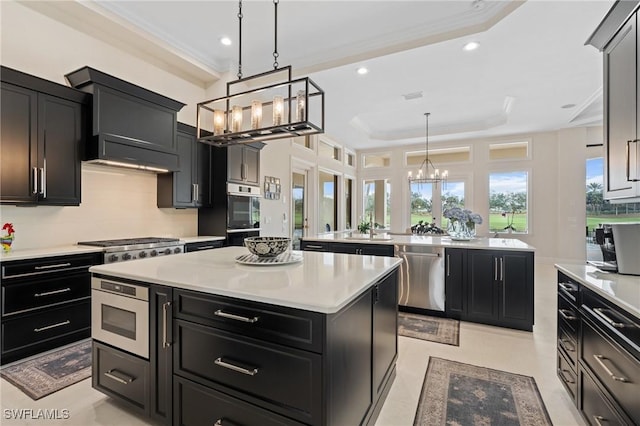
x,y
128,242
136,248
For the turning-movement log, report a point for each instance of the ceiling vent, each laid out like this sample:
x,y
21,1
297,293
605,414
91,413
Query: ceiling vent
x,y
414,95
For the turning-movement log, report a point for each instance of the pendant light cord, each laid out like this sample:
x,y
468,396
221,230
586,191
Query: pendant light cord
x,y
275,32
426,114
240,40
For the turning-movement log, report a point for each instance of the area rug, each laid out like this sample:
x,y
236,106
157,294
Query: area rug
x,y
52,371
433,329
454,393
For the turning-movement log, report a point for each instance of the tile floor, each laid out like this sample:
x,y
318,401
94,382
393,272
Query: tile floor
x,y
531,354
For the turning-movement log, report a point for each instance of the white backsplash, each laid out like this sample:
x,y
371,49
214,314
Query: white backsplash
x,y
116,203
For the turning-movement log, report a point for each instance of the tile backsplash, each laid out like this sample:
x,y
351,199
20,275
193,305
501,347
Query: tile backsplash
x,y
116,203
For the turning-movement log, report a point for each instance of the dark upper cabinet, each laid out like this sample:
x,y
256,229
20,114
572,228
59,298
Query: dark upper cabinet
x,y
243,164
455,283
42,138
187,187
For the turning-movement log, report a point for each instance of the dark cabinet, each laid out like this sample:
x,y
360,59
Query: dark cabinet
x,y
42,138
203,245
243,164
45,303
189,186
348,248
500,288
455,279
161,359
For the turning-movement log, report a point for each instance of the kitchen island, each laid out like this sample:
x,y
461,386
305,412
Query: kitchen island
x,y
310,342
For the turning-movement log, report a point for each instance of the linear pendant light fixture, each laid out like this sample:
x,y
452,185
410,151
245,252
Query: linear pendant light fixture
x,y
284,109
427,177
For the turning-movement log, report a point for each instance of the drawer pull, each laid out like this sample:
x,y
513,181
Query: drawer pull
x,y
565,378
599,419
311,246
224,314
205,247
58,265
567,287
226,422
566,343
600,312
48,327
125,381
600,359
567,314
49,293
247,371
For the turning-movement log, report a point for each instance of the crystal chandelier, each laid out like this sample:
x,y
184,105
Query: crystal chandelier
x,y
425,176
284,109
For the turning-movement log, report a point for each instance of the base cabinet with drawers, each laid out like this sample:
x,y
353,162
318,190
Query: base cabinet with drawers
x,y
598,355
348,248
45,304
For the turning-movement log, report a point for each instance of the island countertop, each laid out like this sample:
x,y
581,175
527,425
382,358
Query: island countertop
x,y
321,282
424,240
623,290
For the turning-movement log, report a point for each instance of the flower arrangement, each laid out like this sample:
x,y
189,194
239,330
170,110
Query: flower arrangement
x,y
6,238
462,222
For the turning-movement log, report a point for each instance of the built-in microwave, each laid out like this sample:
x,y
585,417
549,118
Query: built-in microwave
x,y
243,207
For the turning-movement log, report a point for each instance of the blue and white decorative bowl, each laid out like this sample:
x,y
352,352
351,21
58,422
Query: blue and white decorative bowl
x,y
267,246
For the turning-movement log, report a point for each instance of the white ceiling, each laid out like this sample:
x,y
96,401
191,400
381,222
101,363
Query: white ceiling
x,y
531,60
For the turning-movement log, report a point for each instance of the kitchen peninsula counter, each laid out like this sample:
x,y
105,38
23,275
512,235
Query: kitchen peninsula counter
x,y
423,240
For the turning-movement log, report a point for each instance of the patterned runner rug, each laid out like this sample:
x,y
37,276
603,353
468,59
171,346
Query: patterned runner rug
x,y
52,371
433,329
454,393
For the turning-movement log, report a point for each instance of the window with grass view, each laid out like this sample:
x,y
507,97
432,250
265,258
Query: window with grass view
x,y
508,202
421,202
377,202
452,195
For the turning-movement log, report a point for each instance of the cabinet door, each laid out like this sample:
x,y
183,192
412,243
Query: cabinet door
x,y
516,282
202,166
183,180
161,353
235,164
377,250
621,79
18,150
482,286
385,326
346,248
60,137
252,165
455,277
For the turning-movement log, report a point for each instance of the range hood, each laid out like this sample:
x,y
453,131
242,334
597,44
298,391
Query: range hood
x,y
131,126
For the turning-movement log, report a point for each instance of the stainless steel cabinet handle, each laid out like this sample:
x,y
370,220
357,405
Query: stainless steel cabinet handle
x,y
223,314
565,378
404,253
125,381
600,359
197,192
165,313
448,266
495,269
629,179
567,314
205,247
567,287
311,246
247,371
49,293
48,327
35,180
44,179
598,419
57,265
502,269
41,192
218,422
194,196
612,323
565,343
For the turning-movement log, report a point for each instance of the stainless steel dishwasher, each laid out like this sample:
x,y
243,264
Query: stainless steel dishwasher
x,y
421,276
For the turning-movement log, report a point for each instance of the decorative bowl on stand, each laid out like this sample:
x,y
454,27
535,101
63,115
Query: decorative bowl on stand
x,y
267,246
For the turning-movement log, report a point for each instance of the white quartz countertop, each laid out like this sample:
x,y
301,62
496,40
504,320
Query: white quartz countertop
x,y
47,252
200,239
425,240
321,282
623,290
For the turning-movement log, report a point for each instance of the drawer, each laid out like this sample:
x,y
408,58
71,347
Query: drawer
x,y
301,329
25,330
204,245
314,246
568,288
614,368
45,291
281,379
594,405
568,316
121,375
196,405
49,265
567,374
568,344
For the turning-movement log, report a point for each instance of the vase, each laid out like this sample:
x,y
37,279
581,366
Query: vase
x,y
458,230
6,243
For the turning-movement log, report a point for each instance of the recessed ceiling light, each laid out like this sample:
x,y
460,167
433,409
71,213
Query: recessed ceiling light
x,y
226,41
567,106
362,70
472,45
